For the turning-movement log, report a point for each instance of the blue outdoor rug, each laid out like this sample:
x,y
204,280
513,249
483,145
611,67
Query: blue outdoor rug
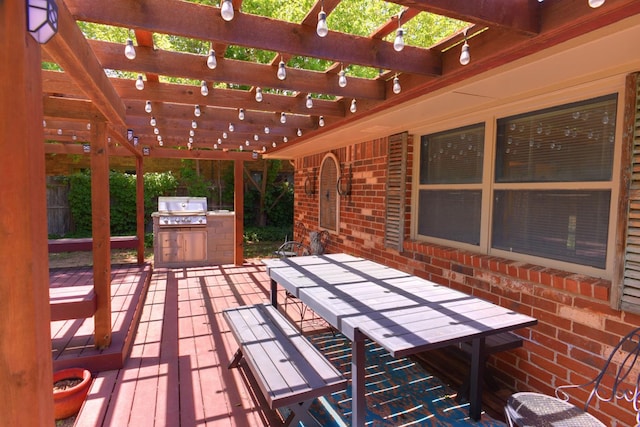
x,y
399,391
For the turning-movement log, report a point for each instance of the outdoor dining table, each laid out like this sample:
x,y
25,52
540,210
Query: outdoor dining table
x,y
403,313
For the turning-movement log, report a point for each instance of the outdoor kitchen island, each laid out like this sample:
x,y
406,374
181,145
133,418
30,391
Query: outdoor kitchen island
x,y
185,234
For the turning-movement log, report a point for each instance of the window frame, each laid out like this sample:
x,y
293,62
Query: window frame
x,y
490,116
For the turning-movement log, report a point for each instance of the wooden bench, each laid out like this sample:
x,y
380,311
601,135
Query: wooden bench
x,y
289,370
86,244
72,302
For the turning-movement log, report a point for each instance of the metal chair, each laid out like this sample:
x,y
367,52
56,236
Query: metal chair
x,y
619,379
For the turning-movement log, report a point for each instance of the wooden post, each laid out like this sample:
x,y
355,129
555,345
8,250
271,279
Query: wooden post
x,y
101,224
25,331
140,209
238,202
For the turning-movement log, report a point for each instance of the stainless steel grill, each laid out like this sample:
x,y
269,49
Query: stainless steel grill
x,y
182,211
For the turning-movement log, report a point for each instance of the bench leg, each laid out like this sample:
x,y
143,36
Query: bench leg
x,y
236,360
300,414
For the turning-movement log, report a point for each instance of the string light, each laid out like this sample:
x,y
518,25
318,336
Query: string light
x,y
196,111
156,131
465,57
152,121
353,107
194,125
256,137
139,82
231,127
246,142
225,135
212,62
226,10
204,90
283,118
299,132
282,71
129,50
258,94
396,85
273,144
241,114
192,132
342,78
596,3
322,29
321,121
309,102
285,139
267,130
147,106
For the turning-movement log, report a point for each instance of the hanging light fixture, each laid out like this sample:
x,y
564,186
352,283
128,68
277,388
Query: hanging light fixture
x,y
156,131
273,144
321,121
219,141
226,10
212,62
258,94
224,135
215,146
299,132
194,124
398,43
42,19
596,3
129,50
342,78
231,127
322,29
285,139
283,118
152,121
192,132
196,111
282,71
267,130
465,57
147,106
241,114
241,148
204,89
139,82
256,137
396,85
353,107
309,102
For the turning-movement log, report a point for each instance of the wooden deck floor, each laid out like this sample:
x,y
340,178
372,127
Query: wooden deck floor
x,y
176,373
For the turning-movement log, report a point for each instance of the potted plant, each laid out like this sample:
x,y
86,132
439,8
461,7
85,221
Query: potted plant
x,y
70,388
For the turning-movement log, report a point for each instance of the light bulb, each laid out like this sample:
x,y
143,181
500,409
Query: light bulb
x,y
159,138
246,142
465,57
215,146
160,143
322,29
241,114
258,94
309,102
264,148
60,133
190,140
241,148
299,132
129,50
256,137
273,144
282,71
190,145
398,43
231,128
204,90
267,130
152,121
212,62
321,121
285,139
224,135
596,3
139,82
156,131
147,106
342,79
226,10
192,132
283,118
196,111
396,85
353,107
219,141
194,125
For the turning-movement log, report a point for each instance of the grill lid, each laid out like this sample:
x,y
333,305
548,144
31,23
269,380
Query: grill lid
x,y
182,205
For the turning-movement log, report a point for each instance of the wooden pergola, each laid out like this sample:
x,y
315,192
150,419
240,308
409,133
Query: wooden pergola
x,y
83,103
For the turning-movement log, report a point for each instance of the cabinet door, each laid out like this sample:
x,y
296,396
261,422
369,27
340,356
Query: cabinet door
x,y
194,245
170,247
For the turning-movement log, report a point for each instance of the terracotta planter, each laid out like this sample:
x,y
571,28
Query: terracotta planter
x,y
68,402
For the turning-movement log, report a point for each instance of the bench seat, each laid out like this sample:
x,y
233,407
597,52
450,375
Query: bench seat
x,y
290,371
86,244
72,302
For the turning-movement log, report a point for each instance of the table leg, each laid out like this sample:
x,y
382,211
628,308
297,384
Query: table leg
x,y
358,368
274,293
475,376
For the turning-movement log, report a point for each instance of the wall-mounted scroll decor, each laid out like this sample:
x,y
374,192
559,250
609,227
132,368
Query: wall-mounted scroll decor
x,y
344,184
310,183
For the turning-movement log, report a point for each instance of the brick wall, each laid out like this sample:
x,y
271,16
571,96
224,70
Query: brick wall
x,y
576,329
